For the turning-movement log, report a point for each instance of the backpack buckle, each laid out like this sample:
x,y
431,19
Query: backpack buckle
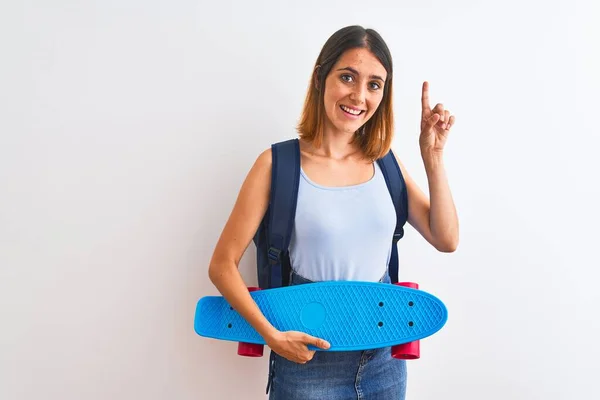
x,y
274,255
397,237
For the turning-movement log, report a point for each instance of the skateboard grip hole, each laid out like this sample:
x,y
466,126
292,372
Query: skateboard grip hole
x,y
410,323
229,326
381,304
380,324
410,304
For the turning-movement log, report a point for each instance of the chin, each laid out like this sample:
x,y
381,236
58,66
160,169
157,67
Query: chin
x,y
350,128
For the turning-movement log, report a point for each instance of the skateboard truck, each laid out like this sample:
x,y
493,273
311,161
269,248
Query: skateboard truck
x,y
411,350
251,349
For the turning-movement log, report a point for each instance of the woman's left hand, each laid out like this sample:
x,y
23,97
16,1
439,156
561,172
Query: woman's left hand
x,y
435,125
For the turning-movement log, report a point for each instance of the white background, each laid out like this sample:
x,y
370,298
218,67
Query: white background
x,y
127,128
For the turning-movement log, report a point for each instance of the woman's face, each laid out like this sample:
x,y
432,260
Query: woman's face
x,y
353,90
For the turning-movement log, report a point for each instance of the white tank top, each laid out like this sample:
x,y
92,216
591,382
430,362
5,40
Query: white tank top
x,y
343,233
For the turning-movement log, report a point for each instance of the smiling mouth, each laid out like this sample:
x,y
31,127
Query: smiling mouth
x,y
351,111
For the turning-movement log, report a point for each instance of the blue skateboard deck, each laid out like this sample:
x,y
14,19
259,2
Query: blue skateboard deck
x,y
350,315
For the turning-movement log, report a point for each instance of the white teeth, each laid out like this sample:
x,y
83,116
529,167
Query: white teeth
x,y
350,111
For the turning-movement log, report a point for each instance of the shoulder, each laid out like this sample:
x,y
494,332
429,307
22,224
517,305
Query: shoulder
x,y
265,159
284,150
260,173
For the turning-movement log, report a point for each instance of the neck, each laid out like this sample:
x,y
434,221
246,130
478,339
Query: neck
x,y
337,145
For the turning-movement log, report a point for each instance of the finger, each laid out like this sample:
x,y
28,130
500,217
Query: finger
x,y
435,118
439,109
306,357
452,120
432,121
425,97
446,119
320,343
300,357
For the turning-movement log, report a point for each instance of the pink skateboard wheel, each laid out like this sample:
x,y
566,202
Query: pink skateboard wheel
x,y
407,351
251,349
411,285
412,350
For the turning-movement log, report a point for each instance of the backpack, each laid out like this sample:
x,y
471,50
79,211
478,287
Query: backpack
x,y
273,235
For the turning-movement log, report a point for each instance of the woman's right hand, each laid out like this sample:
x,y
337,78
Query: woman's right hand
x,y
293,345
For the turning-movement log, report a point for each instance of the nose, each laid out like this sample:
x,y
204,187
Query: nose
x,y
358,95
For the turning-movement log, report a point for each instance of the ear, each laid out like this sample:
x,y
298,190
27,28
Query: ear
x,y
316,77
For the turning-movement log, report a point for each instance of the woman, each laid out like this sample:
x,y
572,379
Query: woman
x,y
344,217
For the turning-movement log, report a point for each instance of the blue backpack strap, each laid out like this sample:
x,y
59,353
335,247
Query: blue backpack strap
x,y
397,188
285,178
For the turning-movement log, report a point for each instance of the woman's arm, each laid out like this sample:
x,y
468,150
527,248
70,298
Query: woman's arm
x,y
237,234
436,219
248,212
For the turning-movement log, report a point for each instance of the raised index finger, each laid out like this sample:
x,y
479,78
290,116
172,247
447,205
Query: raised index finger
x,y
425,97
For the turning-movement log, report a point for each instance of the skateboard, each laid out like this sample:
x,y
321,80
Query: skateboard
x,y
350,315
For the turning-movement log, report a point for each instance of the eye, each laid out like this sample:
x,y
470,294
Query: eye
x,y
376,86
347,76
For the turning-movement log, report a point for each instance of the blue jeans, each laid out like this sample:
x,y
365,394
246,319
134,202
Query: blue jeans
x,y
333,375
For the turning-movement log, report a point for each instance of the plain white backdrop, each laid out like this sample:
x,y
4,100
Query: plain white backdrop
x,y
127,128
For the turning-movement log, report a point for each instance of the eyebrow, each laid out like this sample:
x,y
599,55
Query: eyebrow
x,y
357,73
